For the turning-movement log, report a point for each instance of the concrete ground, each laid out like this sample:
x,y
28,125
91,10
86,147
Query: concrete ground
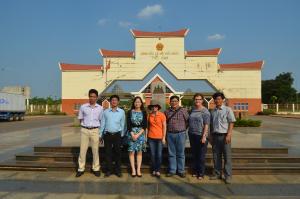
x,y
58,131
65,185
275,132
31,122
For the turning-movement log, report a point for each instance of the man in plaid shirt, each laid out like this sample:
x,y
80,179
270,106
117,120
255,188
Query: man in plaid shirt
x,y
177,120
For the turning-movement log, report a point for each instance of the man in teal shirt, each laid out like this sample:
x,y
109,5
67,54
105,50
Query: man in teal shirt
x,y
111,130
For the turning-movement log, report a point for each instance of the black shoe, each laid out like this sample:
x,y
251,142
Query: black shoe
x,y
182,175
119,174
107,174
170,174
79,173
228,180
215,177
96,173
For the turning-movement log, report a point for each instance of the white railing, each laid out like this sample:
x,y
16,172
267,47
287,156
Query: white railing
x,y
289,108
43,109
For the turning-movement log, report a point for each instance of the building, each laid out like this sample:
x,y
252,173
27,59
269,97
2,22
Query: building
x,y
159,67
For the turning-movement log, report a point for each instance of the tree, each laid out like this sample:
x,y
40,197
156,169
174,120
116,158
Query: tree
x,y
273,99
280,87
42,101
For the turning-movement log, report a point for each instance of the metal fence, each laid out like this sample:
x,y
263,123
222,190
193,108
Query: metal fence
x,y
290,108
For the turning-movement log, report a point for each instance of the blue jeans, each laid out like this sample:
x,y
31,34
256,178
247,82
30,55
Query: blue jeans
x,y
156,153
176,147
199,151
220,148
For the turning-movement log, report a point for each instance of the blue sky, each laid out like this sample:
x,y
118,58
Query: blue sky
x,y
35,35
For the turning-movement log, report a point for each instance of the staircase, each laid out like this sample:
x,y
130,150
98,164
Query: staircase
x,y
244,160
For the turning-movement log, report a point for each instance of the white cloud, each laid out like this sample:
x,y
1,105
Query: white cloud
x,y
215,37
102,22
125,24
149,11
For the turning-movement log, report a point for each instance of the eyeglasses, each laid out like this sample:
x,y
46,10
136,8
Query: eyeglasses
x,y
198,99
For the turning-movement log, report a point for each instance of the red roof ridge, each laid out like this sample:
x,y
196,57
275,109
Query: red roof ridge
x,y
177,33
208,52
116,53
87,67
255,65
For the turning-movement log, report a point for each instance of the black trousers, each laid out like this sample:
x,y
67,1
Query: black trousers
x,y
112,147
199,151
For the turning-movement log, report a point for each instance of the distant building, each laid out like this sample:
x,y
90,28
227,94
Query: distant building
x,y
160,67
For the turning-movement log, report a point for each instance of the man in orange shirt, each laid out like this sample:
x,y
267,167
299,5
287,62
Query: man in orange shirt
x,y
156,136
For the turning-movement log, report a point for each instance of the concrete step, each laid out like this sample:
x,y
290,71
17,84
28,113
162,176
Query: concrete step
x,y
250,168
236,158
245,160
75,149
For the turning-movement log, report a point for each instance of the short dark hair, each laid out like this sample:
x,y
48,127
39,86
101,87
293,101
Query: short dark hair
x,y
174,96
93,91
218,94
198,95
114,96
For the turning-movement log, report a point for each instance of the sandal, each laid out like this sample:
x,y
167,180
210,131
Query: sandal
x,y
133,175
139,175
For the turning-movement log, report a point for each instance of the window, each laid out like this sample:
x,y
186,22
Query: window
x,y
147,89
241,106
77,107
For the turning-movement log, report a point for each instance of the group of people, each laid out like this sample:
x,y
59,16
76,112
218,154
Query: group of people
x,y
157,129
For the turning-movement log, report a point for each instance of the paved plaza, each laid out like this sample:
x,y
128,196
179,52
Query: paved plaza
x,y
65,185
275,132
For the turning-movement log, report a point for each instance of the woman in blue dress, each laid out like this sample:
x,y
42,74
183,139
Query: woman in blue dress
x,y
136,130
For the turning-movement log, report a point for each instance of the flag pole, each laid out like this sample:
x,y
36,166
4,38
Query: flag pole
x,y
106,73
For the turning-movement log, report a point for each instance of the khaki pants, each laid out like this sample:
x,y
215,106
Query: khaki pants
x,y
89,136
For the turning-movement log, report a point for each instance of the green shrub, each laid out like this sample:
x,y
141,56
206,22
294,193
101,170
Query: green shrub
x,y
43,113
35,113
247,123
57,113
267,112
76,125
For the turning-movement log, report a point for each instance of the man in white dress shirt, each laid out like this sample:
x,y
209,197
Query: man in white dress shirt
x,y
90,115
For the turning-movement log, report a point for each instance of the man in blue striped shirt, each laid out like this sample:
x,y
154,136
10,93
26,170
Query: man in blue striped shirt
x,y
111,131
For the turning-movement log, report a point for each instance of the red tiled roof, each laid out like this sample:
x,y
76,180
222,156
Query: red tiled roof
x,y
209,52
65,66
116,53
178,33
242,66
